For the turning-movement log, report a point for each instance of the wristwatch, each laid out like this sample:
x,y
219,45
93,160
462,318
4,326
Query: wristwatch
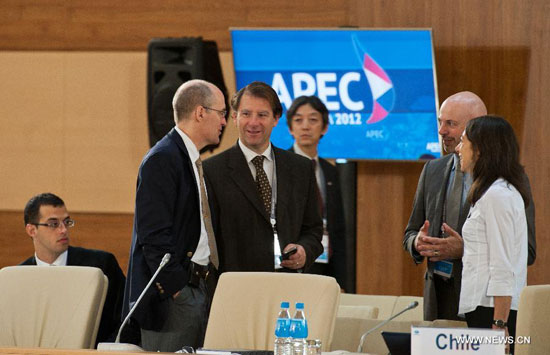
x,y
499,323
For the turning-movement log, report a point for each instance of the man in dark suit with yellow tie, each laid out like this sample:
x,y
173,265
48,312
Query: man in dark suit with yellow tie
x,y
264,199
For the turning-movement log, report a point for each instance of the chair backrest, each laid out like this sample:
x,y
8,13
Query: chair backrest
x,y
246,304
532,320
51,307
362,312
415,314
348,332
448,323
385,304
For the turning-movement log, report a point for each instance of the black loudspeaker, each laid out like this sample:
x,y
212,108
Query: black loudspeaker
x,y
170,63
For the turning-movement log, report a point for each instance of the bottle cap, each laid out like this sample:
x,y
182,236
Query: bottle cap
x,y
285,304
299,305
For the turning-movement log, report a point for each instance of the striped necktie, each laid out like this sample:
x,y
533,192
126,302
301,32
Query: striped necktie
x,y
205,209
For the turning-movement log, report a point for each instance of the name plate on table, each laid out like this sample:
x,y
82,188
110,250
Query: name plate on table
x,y
457,341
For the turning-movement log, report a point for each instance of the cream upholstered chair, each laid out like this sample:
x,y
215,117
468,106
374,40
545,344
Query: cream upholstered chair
x,y
362,312
350,325
51,307
448,323
385,304
415,314
348,332
532,321
246,304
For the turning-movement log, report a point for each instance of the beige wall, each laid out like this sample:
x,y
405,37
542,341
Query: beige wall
x,y
75,123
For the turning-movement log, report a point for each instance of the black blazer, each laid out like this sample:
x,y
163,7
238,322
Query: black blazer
x,y
110,318
166,220
336,224
243,232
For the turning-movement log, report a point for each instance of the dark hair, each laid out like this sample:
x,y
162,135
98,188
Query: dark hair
x,y
496,147
315,103
32,209
262,90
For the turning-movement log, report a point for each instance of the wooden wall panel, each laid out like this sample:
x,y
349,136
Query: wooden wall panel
x,y
15,245
536,129
104,231
75,124
499,50
72,123
23,102
385,192
129,25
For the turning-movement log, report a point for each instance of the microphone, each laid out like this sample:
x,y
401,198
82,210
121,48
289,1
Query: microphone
x,y
409,307
117,345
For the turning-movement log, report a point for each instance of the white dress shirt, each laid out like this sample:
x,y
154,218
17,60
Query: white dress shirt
x,y
249,154
202,253
495,248
60,261
319,175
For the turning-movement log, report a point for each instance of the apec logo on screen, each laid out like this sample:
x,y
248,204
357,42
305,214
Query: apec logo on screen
x,y
334,90
382,102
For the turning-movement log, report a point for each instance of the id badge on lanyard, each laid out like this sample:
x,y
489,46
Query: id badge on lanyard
x,y
443,268
276,246
323,258
277,254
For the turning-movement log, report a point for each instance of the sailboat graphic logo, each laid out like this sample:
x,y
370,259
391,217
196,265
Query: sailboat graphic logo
x,y
383,92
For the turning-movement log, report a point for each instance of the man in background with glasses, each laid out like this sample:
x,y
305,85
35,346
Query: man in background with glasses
x,y
308,120
47,222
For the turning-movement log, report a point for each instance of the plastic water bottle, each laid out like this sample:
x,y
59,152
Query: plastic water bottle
x,y
298,331
282,331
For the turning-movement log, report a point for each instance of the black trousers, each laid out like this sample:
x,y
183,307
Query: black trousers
x,y
447,294
482,317
318,269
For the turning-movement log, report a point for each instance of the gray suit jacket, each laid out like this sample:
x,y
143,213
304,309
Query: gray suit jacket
x,y
428,205
241,223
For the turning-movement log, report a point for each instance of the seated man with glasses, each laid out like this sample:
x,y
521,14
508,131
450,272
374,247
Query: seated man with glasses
x,y
47,223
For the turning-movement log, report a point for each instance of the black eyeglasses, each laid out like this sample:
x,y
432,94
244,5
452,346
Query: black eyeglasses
x,y
223,113
69,223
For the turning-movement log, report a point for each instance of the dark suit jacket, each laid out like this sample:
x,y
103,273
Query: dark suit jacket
x,y
336,224
110,318
428,205
166,220
241,223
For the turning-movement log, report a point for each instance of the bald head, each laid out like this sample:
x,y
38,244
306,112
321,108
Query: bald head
x,y
199,111
454,113
191,94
